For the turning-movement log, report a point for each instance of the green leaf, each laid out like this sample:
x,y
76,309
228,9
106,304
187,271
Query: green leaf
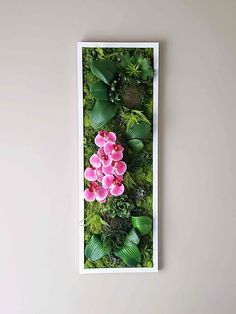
x,y
136,145
102,112
95,249
100,90
142,223
132,238
104,70
130,255
141,116
139,131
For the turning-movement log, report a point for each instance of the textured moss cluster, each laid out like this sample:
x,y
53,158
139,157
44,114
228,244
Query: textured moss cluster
x,y
112,220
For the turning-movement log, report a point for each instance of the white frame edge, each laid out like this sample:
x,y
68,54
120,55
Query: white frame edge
x,y
80,212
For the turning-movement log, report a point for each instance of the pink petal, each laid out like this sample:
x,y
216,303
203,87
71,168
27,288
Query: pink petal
x,y
107,181
100,175
108,148
111,137
100,152
108,170
121,168
102,201
101,193
90,174
95,161
117,155
99,141
89,196
106,162
117,190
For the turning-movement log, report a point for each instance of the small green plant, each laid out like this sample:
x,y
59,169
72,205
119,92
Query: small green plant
x,y
118,207
137,66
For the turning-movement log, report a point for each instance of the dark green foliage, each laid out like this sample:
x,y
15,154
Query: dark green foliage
x,y
136,145
140,192
137,66
100,90
116,100
139,131
95,249
104,70
102,112
118,207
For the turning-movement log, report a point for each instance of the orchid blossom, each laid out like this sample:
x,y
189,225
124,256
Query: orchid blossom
x,y
115,150
95,191
117,168
113,184
103,137
106,170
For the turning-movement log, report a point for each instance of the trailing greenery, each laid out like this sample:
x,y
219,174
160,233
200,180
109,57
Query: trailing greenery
x,y
118,97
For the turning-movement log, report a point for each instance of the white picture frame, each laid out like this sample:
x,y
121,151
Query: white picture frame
x,y
80,211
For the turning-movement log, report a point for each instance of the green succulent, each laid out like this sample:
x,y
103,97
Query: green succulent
x,y
137,66
118,207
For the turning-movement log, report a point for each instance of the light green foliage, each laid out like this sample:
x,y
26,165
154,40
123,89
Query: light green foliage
x,y
95,223
132,116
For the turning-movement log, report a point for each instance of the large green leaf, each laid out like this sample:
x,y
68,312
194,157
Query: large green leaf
x,y
104,70
136,145
100,90
132,238
102,112
130,255
142,223
139,131
95,249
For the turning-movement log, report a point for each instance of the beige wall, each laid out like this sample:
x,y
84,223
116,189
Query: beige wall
x,y
38,156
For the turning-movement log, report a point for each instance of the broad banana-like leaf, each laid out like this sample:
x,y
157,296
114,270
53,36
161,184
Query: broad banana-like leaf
x,y
142,223
100,90
139,131
130,255
131,238
136,145
104,70
103,111
95,249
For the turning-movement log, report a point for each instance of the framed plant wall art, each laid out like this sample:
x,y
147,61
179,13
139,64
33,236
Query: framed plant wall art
x,y
118,157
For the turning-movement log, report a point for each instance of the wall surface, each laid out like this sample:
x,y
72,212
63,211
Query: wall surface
x,y
39,156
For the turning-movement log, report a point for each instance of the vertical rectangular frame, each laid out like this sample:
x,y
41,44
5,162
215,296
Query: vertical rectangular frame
x,y
80,211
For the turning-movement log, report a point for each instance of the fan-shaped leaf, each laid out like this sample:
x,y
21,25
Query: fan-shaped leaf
x,y
102,112
139,131
100,90
95,249
132,238
130,255
142,223
104,70
135,144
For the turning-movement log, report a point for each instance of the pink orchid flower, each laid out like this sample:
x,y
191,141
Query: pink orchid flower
x,y
93,174
105,159
100,159
117,168
95,191
114,184
103,137
116,150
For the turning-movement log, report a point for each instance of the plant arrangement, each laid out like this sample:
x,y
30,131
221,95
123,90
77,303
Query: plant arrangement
x,y
118,113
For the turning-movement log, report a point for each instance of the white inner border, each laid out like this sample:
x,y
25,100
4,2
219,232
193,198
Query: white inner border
x,y
80,215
